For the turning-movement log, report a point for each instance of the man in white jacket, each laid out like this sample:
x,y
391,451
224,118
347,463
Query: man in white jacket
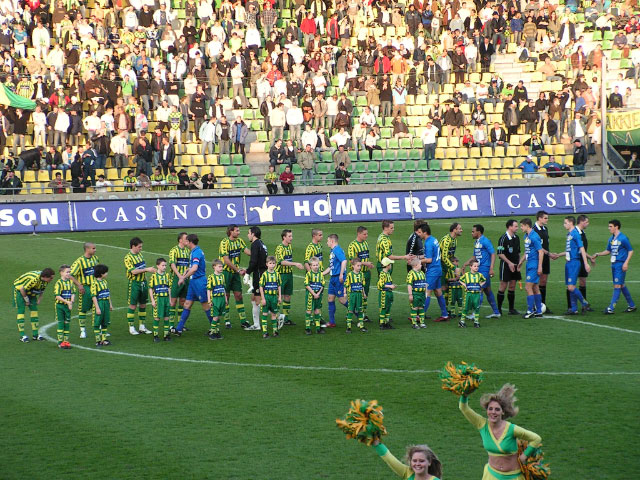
x,y
277,120
60,128
41,41
294,120
39,127
208,136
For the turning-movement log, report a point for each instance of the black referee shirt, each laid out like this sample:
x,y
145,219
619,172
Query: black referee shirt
x,y
509,247
415,246
544,235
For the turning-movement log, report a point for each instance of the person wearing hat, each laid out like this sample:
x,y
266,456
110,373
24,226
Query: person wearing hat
x,y
580,158
528,167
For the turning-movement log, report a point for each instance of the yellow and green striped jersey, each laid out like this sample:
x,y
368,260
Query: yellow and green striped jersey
x,y
448,246
384,280
313,250
270,281
172,179
284,252
135,262
315,280
384,248
157,178
359,250
82,269
180,258
31,282
159,284
232,249
215,283
130,182
100,289
473,281
354,282
64,289
417,280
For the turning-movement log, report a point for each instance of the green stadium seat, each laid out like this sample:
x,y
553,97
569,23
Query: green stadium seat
x,y
419,177
431,176
397,166
406,177
385,132
393,143
256,125
252,182
415,155
435,165
239,182
297,169
616,54
405,143
410,166
389,155
422,166
237,159
245,171
608,35
353,155
326,157
368,178
377,155
381,178
361,101
402,154
231,171
262,136
360,167
394,177
385,166
225,159
372,166
356,179
597,36
322,168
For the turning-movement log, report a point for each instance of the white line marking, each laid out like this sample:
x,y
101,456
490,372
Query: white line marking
x,y
105,245
610,327
43,332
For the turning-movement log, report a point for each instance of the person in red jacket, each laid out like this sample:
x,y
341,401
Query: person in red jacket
x,y
309,29
286,180
333,31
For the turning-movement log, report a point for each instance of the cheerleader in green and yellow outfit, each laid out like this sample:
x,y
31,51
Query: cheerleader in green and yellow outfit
x,y
423,463
500,437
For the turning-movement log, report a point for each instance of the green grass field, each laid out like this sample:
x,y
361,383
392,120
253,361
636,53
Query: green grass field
x,y
248,408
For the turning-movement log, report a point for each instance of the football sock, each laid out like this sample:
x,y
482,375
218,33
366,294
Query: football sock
x,y
332,312
427,301
511,296
574,303
82,316
130,316
274,324
568,299
492,301
241,314
361,320
156,327
97,332
364,303
256,315
538,300
316,319
172,314
500,299
104,333
227,316
530,303
543,293
215,325
615,298
307,320
579,296
60,331
349,318
263,321
286,306
165,327
382,316
142,315
183,319
421,314
627,296
67,324
443,306
583,291
34,323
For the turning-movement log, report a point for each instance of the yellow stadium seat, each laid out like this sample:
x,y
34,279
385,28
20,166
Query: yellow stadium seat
x,y
559,149
456,176
474,78
192,148
463,152
448,88
198,160
508,162
451,153
548,149
524,137
499,152
483,163
454,142
481,175
218,171
465,108
391,31
206,170
512,151
488,107
505,174
516,174
191,170
401,31
226,182
458,164
568,160
112,174
43,176
442,142
493,174
440,152
536,77
185,161
514,140
523,150
468,176
474,152
29,176
421,99
496,162
487,152
499,108
472,163
447,164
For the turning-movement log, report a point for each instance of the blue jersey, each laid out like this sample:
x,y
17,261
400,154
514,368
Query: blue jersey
x,y
197,258
482,251
619,247
432,251
335,260
532,243
573,246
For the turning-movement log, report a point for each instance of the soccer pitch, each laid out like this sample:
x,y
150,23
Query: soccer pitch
x,y
248,408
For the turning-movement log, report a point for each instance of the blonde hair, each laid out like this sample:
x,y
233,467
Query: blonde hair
x,y
505,397
435,466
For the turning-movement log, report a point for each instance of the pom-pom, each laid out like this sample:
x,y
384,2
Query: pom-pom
x,y
535,467
363,421
461,379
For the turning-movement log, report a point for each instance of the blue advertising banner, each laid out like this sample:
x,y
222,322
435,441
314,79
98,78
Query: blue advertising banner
x,y
618,197
527,201
452,203
115,215
20,217
287,209
201,212
370,206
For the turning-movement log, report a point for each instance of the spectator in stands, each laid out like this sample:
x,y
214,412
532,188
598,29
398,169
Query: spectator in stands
x,y
529,117
58,184
341,156
119,149
554,169
270,180
223,135
307,162
19,121
429,140
615,99
143,158
578,129
11,185
433,76
486,51
399,99
459,64
78,185
529,167
103,185
633,168
309,136
343,176
371,143
277,120
536,145
498,137
183,180
455,120
294,120
400,129
277,153
167,155
29,160
54,161
358,136
286,180
290,153
480,135
479,115
580,158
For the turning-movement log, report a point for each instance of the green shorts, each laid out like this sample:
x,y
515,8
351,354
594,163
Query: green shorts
x,y
418,299
272,304
232,281
355,302
18,302
287,283
385,300
218,306
471,303
85,301
138,293
454,295
367,281
162,308
313,304
179,291
104,319
63,314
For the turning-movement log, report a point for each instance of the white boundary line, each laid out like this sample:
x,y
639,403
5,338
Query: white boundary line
x,y
610,327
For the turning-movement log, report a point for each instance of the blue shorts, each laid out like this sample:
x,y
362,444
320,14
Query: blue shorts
x,y
434,281
617,274
532,275
335,287
197,290
487,278
572,272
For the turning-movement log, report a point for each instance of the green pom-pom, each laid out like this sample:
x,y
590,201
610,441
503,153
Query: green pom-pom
x,y
535,468
462,379
363,421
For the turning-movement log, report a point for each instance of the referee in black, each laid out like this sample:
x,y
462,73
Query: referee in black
x,y
581,224
540,227
257,266
509,254
415,245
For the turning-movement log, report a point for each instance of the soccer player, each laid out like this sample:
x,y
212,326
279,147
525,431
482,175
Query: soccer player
x,y
455,296
473,282
285,264
354,285
416,286
533,256
433,275
621,252
179,262
271,297
217,297
484,252
576,256
448,245
314,286
385,294
359,248
582,224
540,227
64,292
415,246
314,249
509,254
82,277
257,266
337,268
137,294
27,292
160,296
384,246
197,290
102,305
230,250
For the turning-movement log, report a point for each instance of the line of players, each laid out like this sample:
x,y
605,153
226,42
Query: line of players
x,y
174,285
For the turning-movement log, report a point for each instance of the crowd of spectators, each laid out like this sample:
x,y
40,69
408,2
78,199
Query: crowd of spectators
x,y
127,83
